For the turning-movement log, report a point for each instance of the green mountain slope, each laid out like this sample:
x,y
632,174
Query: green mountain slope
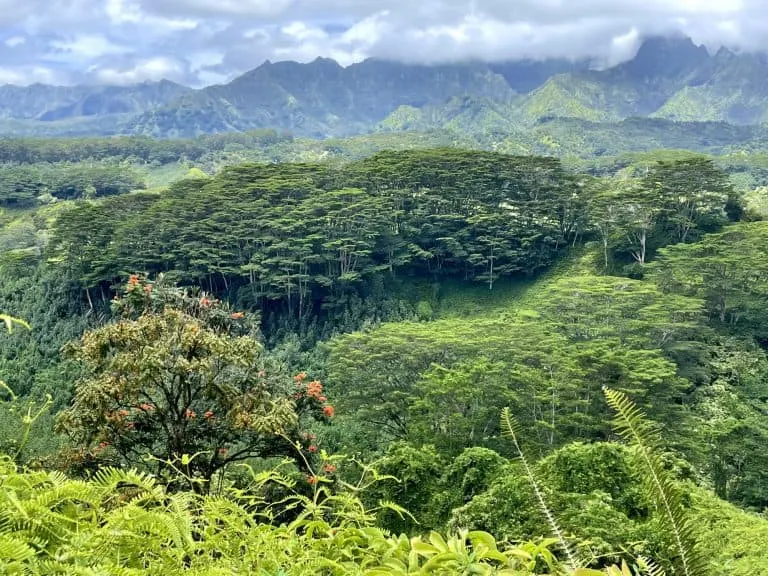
x,y
668,78
572,96
731,87
320,98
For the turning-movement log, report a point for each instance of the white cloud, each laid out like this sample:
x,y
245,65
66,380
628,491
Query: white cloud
x,y
129,12
219,8
89,46
28,75
14,41
152,69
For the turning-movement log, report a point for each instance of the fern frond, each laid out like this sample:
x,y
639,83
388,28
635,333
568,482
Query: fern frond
x,y
13,550
649,567
111,483
632,425
509,430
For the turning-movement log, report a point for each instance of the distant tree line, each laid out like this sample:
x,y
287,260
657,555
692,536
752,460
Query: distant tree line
x,y
131,148
24,185
303,237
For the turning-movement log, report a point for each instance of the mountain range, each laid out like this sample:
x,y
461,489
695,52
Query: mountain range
x,y
669,78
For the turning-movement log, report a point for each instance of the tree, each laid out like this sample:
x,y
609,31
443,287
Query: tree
x,y
641,210
727,269
604,214
182,380
552,382
458,408
636,312
695,194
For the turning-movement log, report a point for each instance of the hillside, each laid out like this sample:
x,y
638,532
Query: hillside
x,y
322,320
669,78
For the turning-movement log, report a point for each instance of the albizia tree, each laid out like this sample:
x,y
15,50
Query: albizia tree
x,y
180,379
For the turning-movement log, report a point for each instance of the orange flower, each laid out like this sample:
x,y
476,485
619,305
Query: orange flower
x,y
323,399
223,451
329,468
209,415
123,413
300,377
147,407
148,289
190,414
312,479
314,389
205,302
313,448
237,315
329,411
130,425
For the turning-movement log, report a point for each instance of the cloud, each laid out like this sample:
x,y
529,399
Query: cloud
x,y
14,41
86,47
150,69
204,41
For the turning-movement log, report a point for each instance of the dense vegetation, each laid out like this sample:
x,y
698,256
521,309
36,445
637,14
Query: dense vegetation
x,y
306,364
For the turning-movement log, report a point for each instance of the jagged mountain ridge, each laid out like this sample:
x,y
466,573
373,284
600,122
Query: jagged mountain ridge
x,y
668,78
322,98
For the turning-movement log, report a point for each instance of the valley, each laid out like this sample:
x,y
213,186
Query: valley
x,y
383,319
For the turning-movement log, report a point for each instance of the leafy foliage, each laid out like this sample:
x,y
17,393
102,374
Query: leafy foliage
x,y
180,378
643,436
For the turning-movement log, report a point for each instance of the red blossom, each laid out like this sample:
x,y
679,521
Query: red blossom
x,y
313,448
123,413
329,468
323,399
133,281
237,315
147,407
314,389
148,289
223,451
205,302
190,414
300,377
329,411
312,479
209,415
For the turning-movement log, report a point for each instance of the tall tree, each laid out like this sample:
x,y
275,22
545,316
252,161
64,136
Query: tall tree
x,y
181,380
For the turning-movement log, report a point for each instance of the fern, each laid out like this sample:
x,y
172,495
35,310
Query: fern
x,y
650,568
631,424
509,428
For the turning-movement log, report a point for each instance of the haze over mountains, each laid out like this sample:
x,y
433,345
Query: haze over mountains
x,y
669,78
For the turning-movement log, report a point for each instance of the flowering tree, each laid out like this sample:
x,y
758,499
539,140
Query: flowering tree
x,y
181,380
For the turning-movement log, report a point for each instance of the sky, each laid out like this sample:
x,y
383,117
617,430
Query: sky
x,y
201,42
